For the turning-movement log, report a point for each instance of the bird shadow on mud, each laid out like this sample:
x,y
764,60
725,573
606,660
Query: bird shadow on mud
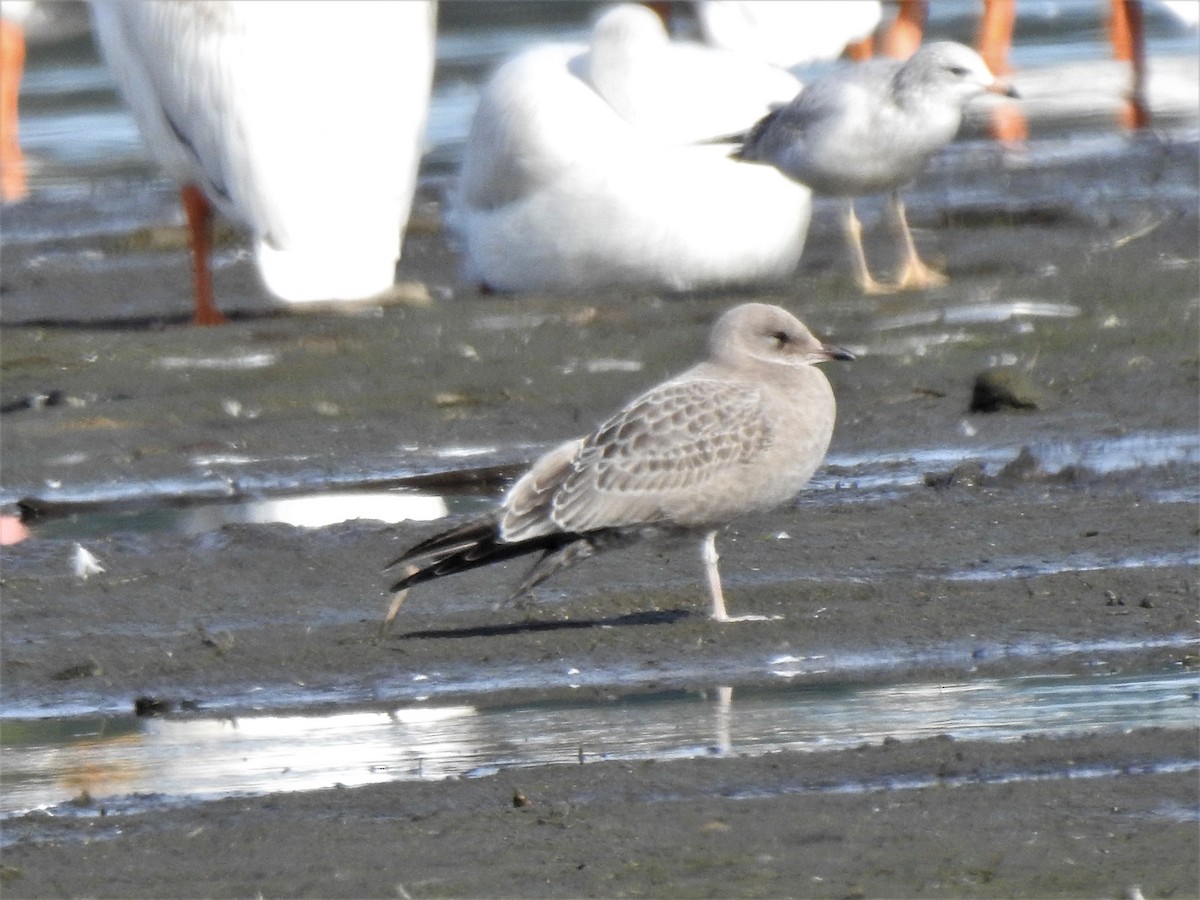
x,y
650,617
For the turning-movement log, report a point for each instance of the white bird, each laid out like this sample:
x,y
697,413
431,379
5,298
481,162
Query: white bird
x,y
1185,12
788,33
741,432
582,169
872,127
300,121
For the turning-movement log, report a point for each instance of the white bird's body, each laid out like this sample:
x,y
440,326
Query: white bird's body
x,y
302,122
788,33
1186,12
582,168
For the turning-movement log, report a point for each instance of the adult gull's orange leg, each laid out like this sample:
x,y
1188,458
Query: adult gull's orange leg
x,y
200,229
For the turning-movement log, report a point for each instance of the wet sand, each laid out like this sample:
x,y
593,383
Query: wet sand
x,y
956,577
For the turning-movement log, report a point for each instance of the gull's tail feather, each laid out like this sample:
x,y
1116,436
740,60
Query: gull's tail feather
x,y
447,542
478,543
747,141
738,137
747,138
468,546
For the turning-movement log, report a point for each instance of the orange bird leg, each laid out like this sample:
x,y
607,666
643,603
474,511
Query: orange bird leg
x,y
903,36
1125,30
13,185
861,51
200,238
995,37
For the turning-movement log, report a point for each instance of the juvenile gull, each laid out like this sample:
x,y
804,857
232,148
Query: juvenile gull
x,y
872,127
741,432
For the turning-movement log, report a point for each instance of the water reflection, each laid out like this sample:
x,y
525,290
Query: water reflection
x,y
317,510
206,504
980,313
49,762
313,510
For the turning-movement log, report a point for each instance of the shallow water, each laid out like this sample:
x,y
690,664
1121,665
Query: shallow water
x,y
184,506
125,763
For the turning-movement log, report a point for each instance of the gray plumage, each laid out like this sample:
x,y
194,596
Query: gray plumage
x,y
741,432
871,127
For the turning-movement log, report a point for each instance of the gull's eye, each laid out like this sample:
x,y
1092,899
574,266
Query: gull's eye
x,y
781,338
957,71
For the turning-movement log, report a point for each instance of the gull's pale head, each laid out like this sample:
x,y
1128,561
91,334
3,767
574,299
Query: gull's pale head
x,y
760,331
949,72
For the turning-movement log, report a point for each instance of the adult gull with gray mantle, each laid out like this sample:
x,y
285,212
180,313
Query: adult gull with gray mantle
x,y
741,432
872,127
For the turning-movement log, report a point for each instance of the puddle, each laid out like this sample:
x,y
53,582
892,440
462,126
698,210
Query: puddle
x,y
951,324
212,499
302,510
1102,457
48,762
1004,569
981,313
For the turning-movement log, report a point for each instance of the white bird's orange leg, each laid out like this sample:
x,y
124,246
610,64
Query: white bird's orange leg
x,y
1125,30
903,36
199,216
914,275
1008,123
13,186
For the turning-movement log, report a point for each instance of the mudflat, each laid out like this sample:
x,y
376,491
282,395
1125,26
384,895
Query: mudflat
x,y
1056,539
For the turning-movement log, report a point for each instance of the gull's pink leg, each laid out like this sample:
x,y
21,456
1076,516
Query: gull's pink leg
x,y
853,231
709,554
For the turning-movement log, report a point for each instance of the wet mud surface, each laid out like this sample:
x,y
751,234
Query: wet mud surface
x,y
821,825
930,545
